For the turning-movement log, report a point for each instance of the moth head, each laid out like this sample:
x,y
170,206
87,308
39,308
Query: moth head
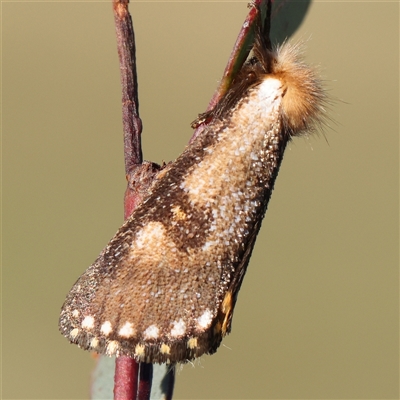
x,y
304,99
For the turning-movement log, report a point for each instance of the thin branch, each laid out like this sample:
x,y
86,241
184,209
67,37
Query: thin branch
x,y
125,379
145,379
132,124
238,56
126,369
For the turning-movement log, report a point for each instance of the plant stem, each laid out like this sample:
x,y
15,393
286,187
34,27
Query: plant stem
x,y
125,379
145,379
126,385
132,381
132,124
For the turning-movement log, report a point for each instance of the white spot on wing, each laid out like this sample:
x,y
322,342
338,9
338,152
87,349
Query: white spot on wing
x,y
74,333
88,322
127,330
165,349
151,234
75,313
106,328
151,332
192,343
139,350
179,328
204,321
112,347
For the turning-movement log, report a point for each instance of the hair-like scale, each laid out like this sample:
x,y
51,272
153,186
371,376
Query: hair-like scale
x,y
304,98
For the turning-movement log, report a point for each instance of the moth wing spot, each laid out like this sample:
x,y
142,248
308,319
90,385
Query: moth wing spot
x,y
151,332
106,328
192,343
75,313
127,330
74,333
178,214
179,328
204,321
112,348
165,349
139,350
94,343
88,322
150,235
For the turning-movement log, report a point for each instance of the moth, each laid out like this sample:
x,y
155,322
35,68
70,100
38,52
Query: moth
x,y
165,287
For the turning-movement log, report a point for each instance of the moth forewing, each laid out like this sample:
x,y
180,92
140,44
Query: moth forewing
x,y
165,287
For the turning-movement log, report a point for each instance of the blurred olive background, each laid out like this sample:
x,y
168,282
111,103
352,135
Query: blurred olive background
x,y
317,315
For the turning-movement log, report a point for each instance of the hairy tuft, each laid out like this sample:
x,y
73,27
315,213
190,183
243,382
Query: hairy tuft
x,y
303,104
304,97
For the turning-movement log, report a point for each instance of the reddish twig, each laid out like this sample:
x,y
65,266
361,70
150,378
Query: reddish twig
x,y
126,369
238,56
145,379
125,378
239,53
132,124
